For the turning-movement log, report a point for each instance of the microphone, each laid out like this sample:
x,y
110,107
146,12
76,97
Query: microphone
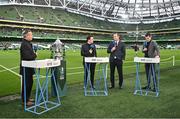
x,y
145,47
145,44
92,46
35,48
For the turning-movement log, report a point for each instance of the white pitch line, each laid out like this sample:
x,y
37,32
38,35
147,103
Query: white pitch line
x,y
75,73
75,68
10,70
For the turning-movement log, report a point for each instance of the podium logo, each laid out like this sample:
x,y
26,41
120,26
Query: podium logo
x,y
49,63
99,60
93,59
143,60
55,63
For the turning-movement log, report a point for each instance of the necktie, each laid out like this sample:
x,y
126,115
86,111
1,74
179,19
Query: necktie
x,y
116,43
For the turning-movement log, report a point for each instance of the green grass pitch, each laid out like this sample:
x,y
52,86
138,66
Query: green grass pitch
x,y
119,103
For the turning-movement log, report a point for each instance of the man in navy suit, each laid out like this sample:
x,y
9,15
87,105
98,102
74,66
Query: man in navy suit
x,y
117,52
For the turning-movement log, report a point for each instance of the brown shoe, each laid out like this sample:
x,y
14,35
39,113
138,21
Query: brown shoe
x,y
29,103
31,100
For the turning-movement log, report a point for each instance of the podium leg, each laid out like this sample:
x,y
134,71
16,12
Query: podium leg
x,y
105,78
55,83
158,78
155,79
24,79
100,89
138,83
87,79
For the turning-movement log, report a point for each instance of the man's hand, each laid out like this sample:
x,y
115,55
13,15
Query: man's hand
x,y
90,51
36,53
113,49
145,49
157,56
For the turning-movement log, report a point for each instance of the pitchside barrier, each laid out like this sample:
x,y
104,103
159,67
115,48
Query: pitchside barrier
x,y
163,61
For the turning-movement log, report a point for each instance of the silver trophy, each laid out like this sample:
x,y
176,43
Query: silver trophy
x,y
57,50
58,53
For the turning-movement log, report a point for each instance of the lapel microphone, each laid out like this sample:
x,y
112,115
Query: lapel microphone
x,y
35,48
145,44
92,46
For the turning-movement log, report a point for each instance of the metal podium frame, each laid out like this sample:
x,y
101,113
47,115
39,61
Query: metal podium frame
x,y
103,65
41,96
155,79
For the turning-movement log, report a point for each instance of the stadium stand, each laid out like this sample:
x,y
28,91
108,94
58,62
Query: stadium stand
x,y
34,17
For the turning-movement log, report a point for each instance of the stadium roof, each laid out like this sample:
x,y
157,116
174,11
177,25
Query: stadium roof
x,y
123,11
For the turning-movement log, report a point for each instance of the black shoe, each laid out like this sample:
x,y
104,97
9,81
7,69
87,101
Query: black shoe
x,y
146,87
153,90
91,87
111,87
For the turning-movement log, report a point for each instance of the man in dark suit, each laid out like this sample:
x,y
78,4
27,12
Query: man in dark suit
x,y
27,53
150,50
89,50
117,52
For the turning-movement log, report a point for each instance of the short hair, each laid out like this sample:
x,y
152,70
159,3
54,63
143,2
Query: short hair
x,y
88,38
26,31
118,35
148,34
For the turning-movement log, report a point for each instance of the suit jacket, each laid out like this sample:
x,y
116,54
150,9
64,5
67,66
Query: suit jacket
x,y
119,53
85,50
153,49
26,53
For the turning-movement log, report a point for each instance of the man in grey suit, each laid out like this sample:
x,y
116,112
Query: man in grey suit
x,y
150,50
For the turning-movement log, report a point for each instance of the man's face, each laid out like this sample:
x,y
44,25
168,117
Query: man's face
x,y
91,40
116,37
148,38
29,36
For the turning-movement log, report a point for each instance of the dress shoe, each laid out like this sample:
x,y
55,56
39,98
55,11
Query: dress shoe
x,y
146,87
28,103
31,100
153,90
111,87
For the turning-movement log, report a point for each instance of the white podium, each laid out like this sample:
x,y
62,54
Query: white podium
x,y
42,101
47,63
100,86
146,60
154,71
